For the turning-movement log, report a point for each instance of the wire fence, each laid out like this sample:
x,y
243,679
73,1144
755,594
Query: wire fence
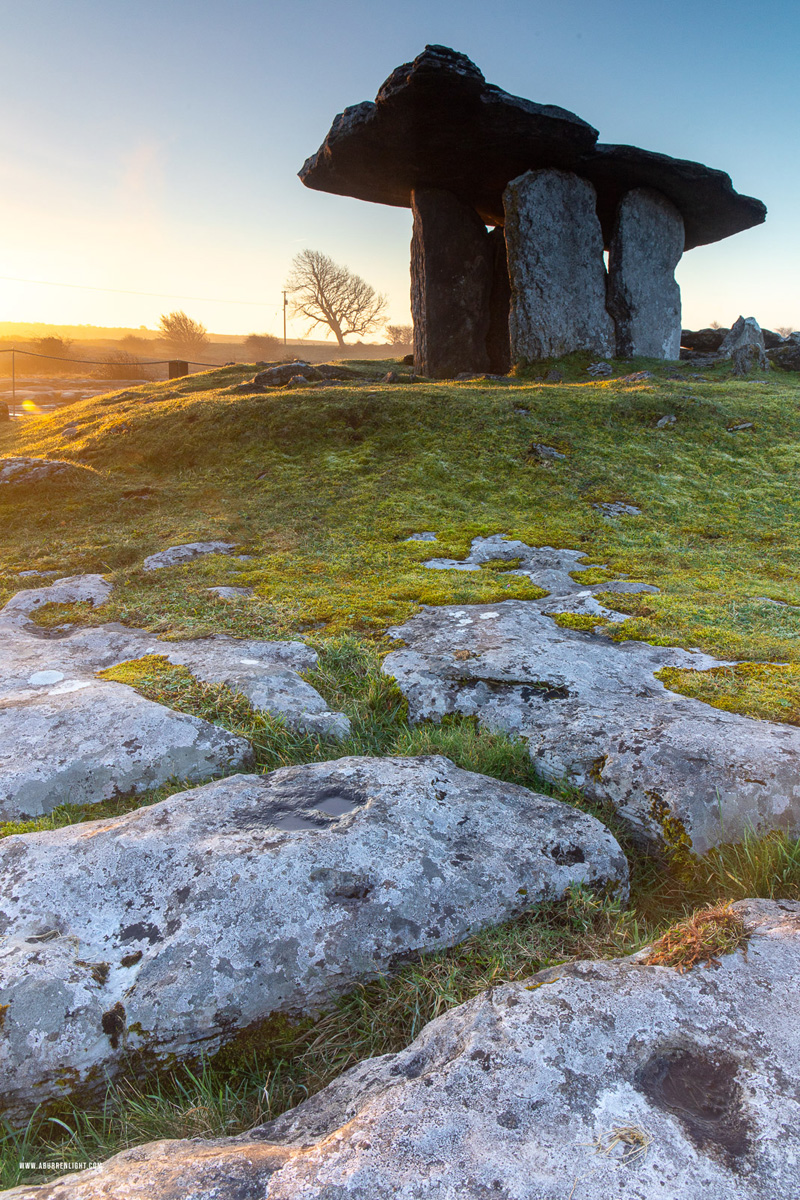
x,y
176,367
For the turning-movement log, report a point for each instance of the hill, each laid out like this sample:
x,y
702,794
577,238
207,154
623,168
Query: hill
x,y
320,487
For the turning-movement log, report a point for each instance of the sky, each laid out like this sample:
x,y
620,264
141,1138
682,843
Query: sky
x,y
153,147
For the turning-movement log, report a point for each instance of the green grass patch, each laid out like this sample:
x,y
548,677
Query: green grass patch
x,y
770,691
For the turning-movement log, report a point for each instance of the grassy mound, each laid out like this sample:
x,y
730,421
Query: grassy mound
x,y
319,488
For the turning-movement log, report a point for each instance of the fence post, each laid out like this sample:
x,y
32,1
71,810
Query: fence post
x,y
14,380
177,368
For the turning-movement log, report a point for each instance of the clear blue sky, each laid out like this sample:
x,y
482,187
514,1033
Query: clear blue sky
x,y
153,145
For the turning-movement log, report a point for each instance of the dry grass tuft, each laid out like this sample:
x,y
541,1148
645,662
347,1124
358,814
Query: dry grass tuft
x,y
701,938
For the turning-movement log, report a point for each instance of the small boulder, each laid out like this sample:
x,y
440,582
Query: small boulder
x,y
787,355
390,377
539,452
745,331
599,368
749,357
278,375
615,508
175,556
705,341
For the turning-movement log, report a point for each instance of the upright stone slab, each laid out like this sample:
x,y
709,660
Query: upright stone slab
x,y
643,297
556,269
452,267
498,343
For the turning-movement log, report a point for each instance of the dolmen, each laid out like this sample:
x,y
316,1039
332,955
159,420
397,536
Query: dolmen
x,y
462,154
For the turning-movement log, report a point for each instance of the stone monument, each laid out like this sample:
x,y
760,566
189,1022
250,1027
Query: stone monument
x,y
476,164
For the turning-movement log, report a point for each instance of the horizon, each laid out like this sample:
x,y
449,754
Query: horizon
x,y
178,191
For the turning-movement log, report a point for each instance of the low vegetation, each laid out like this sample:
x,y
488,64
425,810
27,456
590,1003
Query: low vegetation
x,y
319,488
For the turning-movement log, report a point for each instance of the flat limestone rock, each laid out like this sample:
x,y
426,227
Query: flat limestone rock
x,y
165,931
544,566
603,1079
556,269
593,713
21,470
436,123
175,556
704,197
68,737
643,297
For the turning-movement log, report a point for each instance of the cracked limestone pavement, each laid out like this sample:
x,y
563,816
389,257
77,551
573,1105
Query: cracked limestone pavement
x,y
595,1079
680,772
67,736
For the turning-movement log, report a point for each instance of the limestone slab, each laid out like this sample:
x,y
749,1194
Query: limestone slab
x,y
68,737
556,269
643,296
176,556
25,470
594,1080
594,714
167,930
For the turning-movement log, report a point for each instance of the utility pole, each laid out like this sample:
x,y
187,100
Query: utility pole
x,y
285,302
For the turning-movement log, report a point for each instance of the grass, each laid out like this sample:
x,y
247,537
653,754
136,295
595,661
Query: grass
x,y
320,488
767,690
701,939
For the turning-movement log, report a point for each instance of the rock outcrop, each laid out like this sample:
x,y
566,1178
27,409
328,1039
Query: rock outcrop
x,y
643,297
67,736
596,1079
787,355
680,772
176,556
555,264
161,933
24,470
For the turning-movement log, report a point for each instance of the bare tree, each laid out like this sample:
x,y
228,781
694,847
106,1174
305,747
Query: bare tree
x,y
181,335
784,330
400,335
326,294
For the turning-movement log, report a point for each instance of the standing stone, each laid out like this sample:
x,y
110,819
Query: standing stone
x,y
745,331
555,264
451,284
643,297
498,342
